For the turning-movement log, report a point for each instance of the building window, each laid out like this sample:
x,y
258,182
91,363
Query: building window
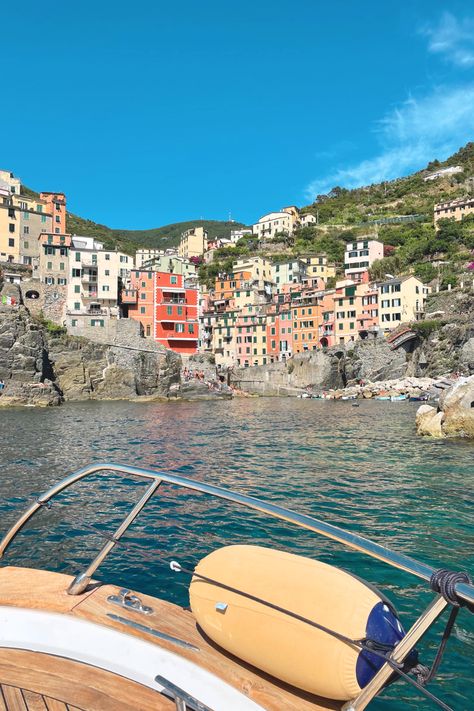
x,y
62,281
143,284
61,266
26,245
180,310
191,328
173,280
57,230
148,330
76,272
77,288
11,227
107,257
43,218
179,328
169,310
97,322
107,272
49,280
77,306
58,218
74,322
49,265
78,257
142,296
142,309
106,287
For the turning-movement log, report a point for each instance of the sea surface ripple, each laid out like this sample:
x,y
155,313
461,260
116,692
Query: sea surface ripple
x,y
360,468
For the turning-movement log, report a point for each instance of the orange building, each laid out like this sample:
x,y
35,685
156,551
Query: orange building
x,y
306,319
166,307
56,205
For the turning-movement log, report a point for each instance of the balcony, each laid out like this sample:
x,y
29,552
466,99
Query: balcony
x,y
172,300
89,294
89,278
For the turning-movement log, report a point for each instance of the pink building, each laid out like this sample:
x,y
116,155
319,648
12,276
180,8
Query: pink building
x,y
359,257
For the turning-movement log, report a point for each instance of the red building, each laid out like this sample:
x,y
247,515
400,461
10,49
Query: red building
x,y
166,308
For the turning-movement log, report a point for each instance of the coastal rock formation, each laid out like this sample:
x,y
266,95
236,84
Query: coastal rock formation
x,y
40,365
429,421
85,370
455,414
24,364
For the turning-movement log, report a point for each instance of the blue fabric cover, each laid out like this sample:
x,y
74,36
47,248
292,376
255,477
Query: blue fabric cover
x,y
383,626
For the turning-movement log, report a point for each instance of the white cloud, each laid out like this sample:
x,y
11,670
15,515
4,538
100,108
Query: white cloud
x,y
410,136
453,39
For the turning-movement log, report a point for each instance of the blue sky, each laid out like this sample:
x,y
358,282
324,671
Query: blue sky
x,y
147,113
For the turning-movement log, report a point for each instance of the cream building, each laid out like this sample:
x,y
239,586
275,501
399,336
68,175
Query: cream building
x,y
456,209
275,222
193,243
400,300
8,181
291,272
93,280
144,256
171,263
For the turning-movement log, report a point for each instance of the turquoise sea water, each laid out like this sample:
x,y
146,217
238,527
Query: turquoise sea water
x,y
361,468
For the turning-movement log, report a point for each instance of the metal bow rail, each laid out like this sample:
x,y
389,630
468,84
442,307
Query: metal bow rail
x,y
464,591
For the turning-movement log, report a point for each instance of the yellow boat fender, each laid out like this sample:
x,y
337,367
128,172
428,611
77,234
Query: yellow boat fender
x,y
287,648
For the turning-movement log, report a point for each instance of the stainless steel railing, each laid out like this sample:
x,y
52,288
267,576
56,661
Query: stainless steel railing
x,y
465,591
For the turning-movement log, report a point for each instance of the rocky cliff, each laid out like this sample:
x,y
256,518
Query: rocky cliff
x,y
41,365
454,416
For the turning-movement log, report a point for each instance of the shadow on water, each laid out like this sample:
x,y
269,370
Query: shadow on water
x,y
363,469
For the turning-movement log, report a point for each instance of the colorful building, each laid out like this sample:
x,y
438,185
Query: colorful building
x,y
193,243
289,272
454,209
56,207
359,257
317,265
401,300
166,307
95,277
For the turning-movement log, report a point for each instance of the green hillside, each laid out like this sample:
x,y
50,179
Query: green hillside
x,y
156,238
130,240
345,214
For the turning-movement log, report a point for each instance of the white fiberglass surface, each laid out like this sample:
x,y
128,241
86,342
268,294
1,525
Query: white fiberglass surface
x,y
114,651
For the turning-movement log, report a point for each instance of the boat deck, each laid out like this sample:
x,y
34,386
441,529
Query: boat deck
x,y
34,681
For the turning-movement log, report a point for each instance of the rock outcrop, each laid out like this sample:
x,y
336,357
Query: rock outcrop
x,y
454,416
85,370
24,365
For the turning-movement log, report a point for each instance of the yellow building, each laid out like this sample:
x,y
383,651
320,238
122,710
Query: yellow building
x,y
401,300
9,228
317,265
193,243
260,268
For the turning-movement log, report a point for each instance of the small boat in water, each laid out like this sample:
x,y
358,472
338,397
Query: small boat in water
x,y
398,398
266,629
